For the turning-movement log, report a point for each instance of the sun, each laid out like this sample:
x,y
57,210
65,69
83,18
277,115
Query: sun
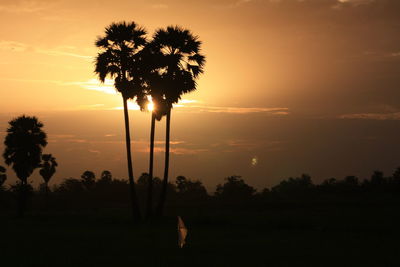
x,y
150,106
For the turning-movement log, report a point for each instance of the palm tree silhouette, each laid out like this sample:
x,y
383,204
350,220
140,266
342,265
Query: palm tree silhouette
x,y
151,70
47,170
181,63
23,150
118,59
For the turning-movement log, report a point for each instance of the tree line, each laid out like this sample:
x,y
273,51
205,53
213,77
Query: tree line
x,y
106,191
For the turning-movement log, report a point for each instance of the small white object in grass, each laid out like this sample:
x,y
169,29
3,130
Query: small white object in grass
x,y
182,232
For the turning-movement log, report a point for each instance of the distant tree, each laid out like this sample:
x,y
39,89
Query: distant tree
x,y
181,64
234,188
396,174
3,176
105,177
88,179
396,180
377,178
119,59
70,186
351,181
143,179
294,186
23,151
143,183
47,170
329,182
190,190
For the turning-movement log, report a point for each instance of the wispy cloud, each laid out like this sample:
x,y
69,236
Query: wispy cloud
x,y
62,53
25,6
243,144
354,3
95,85
67,51
373,116
395,54
13,46
91,107
241,110
159,6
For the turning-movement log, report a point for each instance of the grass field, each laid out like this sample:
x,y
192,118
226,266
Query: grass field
x,y
302,236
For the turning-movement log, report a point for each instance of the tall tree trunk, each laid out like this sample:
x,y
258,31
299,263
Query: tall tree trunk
x,y
149,211
163,195
134,201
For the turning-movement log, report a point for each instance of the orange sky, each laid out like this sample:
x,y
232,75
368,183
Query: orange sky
x,y
303,86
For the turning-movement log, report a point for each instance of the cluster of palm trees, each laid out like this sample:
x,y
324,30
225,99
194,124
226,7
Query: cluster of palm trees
x,y
161,69
24,143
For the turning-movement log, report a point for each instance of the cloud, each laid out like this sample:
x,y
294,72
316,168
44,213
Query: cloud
x,y
241,110
62,53
24,6
354,3
176,151
95,85
159,6
91,107
15,46
94,151
372,116
249,145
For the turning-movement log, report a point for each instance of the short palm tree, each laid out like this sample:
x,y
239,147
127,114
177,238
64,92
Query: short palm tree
x,y
47,170
119,53
180,63
24,143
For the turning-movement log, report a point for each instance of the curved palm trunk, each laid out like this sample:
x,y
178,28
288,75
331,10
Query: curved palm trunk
x,y
149,211
134,200
163,195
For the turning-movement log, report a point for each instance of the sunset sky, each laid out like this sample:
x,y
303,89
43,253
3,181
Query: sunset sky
x,y
290,87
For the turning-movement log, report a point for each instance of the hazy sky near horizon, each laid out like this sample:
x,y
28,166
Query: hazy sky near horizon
x,y
290,87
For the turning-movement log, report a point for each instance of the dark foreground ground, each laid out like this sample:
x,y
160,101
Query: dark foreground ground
x,y
334,235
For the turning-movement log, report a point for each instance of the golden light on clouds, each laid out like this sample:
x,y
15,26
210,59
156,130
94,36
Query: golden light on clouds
x,y
94,84
131,106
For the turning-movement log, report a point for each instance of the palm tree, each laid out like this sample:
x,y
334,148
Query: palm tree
x,y
119,54
181,63
23,151
48,168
